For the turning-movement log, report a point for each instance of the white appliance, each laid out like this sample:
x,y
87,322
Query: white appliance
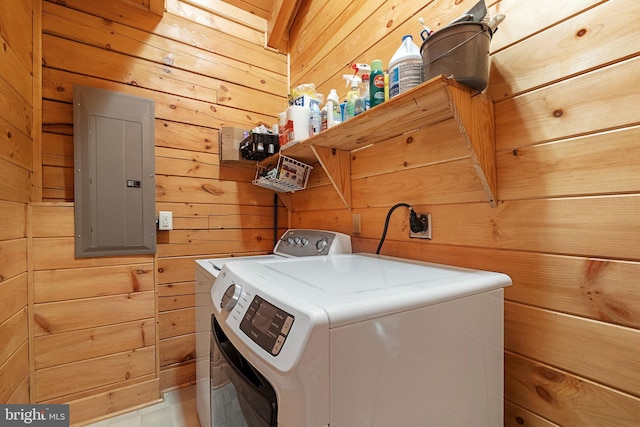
x,y
293,243
358,340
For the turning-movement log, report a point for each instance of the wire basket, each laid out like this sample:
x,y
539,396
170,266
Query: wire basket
x,y
288,176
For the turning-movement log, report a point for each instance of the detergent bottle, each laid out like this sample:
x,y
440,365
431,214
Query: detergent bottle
x,y
334,115
405,67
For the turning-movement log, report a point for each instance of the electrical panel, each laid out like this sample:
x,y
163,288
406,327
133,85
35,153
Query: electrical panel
x,y
114,173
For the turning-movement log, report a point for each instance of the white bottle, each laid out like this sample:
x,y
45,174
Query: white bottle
x,y
315,119
334,115
405,67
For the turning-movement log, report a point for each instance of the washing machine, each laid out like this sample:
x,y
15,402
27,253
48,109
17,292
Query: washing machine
x,y
357,340
293,243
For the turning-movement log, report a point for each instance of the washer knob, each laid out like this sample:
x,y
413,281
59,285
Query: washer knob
x,y
230,297
321,244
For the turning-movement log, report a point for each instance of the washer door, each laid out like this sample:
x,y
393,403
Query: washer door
x,y
240,395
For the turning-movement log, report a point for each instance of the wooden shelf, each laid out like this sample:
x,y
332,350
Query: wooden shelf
x,y
434,101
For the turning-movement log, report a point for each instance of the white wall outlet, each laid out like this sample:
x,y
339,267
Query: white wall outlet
x,y
165,220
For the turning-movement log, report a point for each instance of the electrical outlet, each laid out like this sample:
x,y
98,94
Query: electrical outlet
x,y
425,219
165,220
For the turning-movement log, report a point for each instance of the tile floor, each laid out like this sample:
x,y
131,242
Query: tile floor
x,y
177,410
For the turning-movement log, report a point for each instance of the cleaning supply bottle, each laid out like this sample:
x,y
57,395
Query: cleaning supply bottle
x,y
323,118
386,85
376,84
353,82
315,119
405,67
362,101
334,115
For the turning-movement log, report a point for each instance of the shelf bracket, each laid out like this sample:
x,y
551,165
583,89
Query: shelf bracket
x,y
287,200
337,165
475,118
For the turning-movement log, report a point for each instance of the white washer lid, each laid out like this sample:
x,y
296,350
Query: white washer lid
x,y
214,265
355,287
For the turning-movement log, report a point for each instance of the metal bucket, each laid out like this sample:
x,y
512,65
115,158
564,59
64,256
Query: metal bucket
x,y
460,51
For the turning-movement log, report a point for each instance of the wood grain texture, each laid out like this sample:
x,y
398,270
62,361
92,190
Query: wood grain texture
x,y
554,394
13,276
13,372
60,285
178,349
15,146
176,322
517,416
569,48
571,108
595,350
70,315
61,348
116,401
177,375
15,21
55,253
594,164
73,377
13,334
17,133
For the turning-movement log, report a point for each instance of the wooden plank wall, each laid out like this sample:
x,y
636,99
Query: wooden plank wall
x,y
94,326
564,81
134,316
17,28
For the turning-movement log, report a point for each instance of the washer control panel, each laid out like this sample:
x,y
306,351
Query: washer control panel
x,y
298,243
266,325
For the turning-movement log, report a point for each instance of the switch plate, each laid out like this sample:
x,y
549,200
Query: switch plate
x,y
357,225
165,220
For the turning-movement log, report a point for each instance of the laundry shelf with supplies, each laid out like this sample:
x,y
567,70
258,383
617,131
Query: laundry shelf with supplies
x,y
438,100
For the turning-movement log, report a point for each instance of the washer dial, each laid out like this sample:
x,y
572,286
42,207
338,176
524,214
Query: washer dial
x,y
230,297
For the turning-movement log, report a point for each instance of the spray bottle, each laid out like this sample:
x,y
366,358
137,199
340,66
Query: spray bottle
x,y
334,115
353,82
364,92
363,71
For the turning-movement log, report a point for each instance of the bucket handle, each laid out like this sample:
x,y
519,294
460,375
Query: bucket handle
x,y
484,30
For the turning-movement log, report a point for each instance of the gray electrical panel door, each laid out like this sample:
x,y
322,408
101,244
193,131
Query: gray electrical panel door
x,y
114,179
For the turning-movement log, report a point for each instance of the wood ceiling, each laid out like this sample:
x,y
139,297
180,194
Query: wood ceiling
x,y
279,15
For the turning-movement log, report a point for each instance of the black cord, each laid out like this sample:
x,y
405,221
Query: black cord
x,y
275,219
386,222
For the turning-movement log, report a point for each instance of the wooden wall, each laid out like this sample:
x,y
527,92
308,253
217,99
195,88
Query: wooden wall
x,y
108,334
17,109
94,329
564,80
